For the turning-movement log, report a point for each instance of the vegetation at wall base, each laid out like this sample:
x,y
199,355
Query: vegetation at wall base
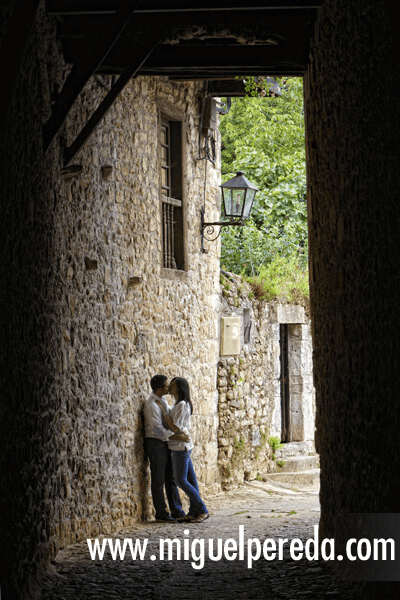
x,y
284,278
275,444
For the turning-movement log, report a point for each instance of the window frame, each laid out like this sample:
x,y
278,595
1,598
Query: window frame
x,y
168,114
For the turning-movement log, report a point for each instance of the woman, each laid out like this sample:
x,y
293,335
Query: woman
x,y
178,420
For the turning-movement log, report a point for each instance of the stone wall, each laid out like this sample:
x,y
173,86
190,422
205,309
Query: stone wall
x,y
129,318
77,339
87,313
353,184
249,383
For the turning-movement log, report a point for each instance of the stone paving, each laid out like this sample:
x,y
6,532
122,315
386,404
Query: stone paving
x,y
73,575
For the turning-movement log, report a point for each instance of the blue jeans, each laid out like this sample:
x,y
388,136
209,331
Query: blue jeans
x,y
185,478
161,474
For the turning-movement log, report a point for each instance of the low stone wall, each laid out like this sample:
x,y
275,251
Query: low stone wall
x,y
249,405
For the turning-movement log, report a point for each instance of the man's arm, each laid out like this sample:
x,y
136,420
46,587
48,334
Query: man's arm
x,y
177,435
182,437
168,420
171,424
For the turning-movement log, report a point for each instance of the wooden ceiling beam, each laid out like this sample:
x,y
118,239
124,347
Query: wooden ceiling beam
x,y
96,40
93,7
101,43
255,19
194,28
279,70
180,55
172,60
232,87
183,54
140,55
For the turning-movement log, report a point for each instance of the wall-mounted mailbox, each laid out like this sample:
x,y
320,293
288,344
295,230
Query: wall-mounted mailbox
x,y
230,336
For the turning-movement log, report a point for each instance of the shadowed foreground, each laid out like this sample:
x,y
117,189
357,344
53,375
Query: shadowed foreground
x,y
74,575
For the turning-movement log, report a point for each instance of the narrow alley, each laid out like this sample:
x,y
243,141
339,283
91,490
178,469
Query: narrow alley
x,y
110,177
263,514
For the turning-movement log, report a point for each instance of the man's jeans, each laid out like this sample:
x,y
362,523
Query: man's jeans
x,y
185,478
161,473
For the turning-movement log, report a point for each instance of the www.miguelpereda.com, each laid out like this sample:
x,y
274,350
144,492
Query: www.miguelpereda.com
x,y
197,550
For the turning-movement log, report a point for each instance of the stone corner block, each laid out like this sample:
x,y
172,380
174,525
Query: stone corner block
x,y
290,314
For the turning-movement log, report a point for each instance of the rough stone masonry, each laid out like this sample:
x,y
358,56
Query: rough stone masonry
x,y
249,382
89,314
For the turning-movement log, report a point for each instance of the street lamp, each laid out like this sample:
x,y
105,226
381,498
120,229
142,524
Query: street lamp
x,y
237,198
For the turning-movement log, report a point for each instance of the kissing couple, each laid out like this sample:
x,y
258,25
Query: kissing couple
x,y
168,446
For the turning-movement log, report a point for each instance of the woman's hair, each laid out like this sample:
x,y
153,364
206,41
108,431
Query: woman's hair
x,y
183,391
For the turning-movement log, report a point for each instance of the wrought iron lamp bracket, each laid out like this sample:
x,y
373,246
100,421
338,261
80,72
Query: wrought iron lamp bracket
x,y
208,229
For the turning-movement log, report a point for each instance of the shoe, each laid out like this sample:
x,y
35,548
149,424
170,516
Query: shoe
x,y
166,519
200,518
178,516
185,519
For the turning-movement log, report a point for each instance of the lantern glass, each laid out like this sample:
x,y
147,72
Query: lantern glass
x,y
248,203
238,195
233,201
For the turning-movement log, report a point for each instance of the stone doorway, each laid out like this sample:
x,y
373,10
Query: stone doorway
x,y
286,405
293,418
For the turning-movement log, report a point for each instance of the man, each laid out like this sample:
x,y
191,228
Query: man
x,y
155,443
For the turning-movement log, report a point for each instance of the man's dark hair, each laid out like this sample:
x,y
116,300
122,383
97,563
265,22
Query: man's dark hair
x,y
157,382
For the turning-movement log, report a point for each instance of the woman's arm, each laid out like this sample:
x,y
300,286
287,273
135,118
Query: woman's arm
x,y
171,424
168,420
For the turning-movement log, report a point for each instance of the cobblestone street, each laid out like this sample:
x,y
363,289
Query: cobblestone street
x,y
74,575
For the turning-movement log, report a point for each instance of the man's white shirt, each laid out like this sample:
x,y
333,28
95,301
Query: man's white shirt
x,y
153,426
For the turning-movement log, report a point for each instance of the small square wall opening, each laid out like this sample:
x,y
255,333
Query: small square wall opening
x,y
246,325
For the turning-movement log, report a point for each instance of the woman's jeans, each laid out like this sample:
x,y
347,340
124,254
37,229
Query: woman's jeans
x,y
185,478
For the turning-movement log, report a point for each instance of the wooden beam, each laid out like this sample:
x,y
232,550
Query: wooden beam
x,y
181,55
193,63
255,18
141,55
283,70
269,28
101,43
260,25
93,7
148,6
232,87
172,57
207,46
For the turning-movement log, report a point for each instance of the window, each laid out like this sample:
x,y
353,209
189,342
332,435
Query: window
x,y
172,200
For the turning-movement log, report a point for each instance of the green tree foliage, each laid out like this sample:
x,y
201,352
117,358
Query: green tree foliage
x,y
264,137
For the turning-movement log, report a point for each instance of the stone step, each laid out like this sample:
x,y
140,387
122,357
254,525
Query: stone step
x,y
308,477
290,449
299,463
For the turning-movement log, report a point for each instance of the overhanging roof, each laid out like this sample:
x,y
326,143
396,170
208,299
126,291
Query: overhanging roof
x,y
180,39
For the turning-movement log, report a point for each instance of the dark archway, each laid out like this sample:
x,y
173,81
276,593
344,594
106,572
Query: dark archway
x,y
351,92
